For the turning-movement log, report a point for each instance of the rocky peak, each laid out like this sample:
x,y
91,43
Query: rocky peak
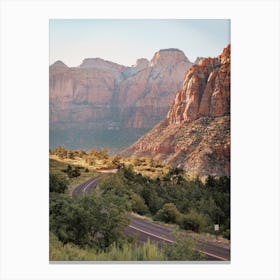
x,y
142,63
101,64
224,57
198,59
168,57
205,92
59,64
195,135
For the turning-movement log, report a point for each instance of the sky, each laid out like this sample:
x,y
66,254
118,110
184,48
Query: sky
x,y
123,41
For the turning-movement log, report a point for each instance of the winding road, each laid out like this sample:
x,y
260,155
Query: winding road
x,y
145,229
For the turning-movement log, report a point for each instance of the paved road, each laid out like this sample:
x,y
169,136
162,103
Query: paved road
x,y
86,187
149,230
157,233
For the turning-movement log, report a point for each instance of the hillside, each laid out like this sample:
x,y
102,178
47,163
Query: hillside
x,y
195,135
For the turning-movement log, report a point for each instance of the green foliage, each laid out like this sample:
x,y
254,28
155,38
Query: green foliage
x,y
57,184
95,221
195,206
226,234
194,220
138,204
72,173
169,214
182,249
115,252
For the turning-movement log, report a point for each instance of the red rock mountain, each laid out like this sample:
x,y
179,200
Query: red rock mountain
x,y
195,134
101,96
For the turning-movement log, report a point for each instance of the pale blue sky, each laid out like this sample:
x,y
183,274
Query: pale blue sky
x,y
124,41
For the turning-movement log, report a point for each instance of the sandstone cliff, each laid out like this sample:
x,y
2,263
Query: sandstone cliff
x,y
195,134
107,96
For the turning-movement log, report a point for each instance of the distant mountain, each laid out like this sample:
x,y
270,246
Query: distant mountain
x,y
101,103
195,135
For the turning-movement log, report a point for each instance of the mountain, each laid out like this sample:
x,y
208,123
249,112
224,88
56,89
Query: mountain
x,y
195,134
101,100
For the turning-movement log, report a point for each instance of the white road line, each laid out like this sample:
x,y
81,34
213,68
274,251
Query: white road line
x,y
171,241
212,255
89,184
160,237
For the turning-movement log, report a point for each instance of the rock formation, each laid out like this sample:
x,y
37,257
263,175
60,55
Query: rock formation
x,y
195,134
107,96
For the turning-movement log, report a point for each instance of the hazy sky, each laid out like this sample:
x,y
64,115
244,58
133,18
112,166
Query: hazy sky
x,y
124,41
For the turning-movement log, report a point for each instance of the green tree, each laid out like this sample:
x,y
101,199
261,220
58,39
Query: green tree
x,y
57,184
182,249
138,204
169,214
94,221
194,220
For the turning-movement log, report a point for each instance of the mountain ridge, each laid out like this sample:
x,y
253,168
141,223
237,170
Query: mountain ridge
x,y
105,95
195,134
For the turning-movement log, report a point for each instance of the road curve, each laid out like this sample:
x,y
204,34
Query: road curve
x,y
86,187
145,229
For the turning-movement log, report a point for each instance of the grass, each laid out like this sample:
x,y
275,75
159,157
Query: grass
x,y
56,167
128,252
146,166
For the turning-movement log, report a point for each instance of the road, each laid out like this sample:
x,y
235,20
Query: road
x,y
86,187
145,229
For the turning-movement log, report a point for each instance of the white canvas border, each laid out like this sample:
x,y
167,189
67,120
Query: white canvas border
x,y
255,138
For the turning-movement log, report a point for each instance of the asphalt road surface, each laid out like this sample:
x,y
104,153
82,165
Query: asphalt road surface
x,y
145,229
86,187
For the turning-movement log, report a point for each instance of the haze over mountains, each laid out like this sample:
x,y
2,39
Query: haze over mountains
x,y
183,107
104,104
195,134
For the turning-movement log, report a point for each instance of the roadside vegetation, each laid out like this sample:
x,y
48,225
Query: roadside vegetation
x,y
92,227
190,203
100,160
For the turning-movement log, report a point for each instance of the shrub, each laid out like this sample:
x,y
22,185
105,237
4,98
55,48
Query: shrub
x,y
138,204
57,184
168,214
193,221
226,234
94,221
182,249
127,252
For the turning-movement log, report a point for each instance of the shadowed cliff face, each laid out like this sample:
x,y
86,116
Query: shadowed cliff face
x,y
195,134
103,95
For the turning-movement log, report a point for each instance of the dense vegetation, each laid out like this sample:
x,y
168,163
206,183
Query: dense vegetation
x,y
92,227
100,159
190,203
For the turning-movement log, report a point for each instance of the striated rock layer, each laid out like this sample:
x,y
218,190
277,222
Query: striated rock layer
x,y
104,95
195,134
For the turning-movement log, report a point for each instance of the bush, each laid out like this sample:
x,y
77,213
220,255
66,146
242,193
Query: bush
x,y
127,252
226,234
193,221
94,221
57,184
74,173
168,214
138,204
183,250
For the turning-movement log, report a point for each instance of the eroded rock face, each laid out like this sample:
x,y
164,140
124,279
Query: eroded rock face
x,y
206,90
107,95
195,134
